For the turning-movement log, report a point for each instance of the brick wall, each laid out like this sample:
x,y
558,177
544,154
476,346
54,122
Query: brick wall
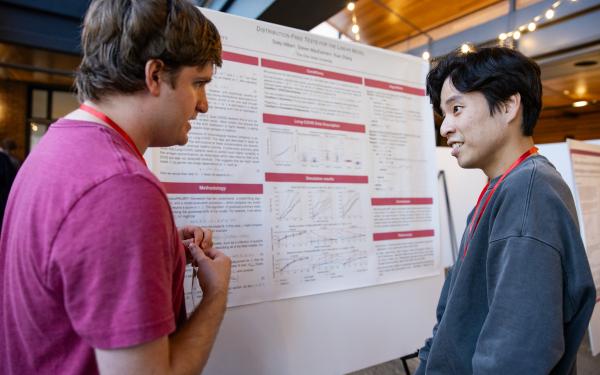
x,y
13,113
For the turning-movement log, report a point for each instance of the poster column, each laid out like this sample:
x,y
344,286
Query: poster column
x,y
404,218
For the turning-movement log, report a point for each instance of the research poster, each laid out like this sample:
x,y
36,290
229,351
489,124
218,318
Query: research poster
x,y
314,166
585,159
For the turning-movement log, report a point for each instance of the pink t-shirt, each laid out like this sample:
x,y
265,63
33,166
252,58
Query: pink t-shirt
x,y
89,254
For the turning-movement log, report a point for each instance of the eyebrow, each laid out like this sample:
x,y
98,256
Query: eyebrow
x,y
453,98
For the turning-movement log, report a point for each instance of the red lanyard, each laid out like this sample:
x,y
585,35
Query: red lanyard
x,y
94,112
480,210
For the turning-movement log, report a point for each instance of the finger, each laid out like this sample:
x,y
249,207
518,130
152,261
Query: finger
x,y
213,253
198,236
207,242
196,252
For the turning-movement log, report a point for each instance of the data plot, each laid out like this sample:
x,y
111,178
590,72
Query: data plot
x,y
288,206
282,147
350,205
319,253
321,205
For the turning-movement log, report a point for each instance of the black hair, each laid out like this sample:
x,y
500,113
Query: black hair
x,y
497,73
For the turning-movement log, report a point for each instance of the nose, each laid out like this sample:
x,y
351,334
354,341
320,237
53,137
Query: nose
x,y
202,102
447,128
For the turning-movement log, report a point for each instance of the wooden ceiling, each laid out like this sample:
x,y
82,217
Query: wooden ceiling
x,y
384,23
566,77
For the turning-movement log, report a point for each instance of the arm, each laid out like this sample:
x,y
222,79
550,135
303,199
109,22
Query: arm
x,y
186,351
523,330
115,269
424,351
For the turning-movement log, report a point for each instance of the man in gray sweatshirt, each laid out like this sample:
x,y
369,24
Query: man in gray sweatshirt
x,y
519,298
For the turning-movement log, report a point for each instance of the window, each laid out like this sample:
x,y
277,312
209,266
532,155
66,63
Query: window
x,y
46,105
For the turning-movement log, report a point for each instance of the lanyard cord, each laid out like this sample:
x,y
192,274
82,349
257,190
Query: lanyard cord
x,y
480,210
101,116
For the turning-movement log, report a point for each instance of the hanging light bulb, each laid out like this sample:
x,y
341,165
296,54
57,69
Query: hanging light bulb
x,y
502,36
531,26
465,48
549,14
355,29
426,55
351,6
522,28
537,18
516,35
555,5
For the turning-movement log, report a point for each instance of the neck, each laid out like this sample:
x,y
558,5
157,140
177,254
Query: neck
x,y
506,156
126,112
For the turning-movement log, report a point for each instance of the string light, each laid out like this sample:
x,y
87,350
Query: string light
x,y
351,6
426,55
532,25
465,48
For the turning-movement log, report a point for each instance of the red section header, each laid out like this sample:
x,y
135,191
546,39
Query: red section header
x,y
211,188
310,71
400,201
319,178
394,87
402,235
585,152
236,57
312,123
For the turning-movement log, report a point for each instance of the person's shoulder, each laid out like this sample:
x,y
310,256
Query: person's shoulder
x,y
6,164
536,175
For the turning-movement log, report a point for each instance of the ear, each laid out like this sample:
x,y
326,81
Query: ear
x,y
512,109
154,70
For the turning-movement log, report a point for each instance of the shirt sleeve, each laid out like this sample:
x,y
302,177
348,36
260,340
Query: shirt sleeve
x,y
523,330
113,262
441,307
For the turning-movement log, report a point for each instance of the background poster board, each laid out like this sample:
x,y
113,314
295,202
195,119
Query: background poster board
x,y
315,167
585,161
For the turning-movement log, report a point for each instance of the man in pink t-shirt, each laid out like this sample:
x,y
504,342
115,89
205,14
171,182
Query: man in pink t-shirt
x,y
91,262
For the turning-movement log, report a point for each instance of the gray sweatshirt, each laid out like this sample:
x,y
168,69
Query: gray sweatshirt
x,y
520,300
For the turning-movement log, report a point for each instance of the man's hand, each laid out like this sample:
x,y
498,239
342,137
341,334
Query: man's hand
x,y
201,237
214,270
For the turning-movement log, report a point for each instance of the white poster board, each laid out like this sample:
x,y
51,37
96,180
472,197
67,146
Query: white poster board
x,y
315,167
585,160
464,186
